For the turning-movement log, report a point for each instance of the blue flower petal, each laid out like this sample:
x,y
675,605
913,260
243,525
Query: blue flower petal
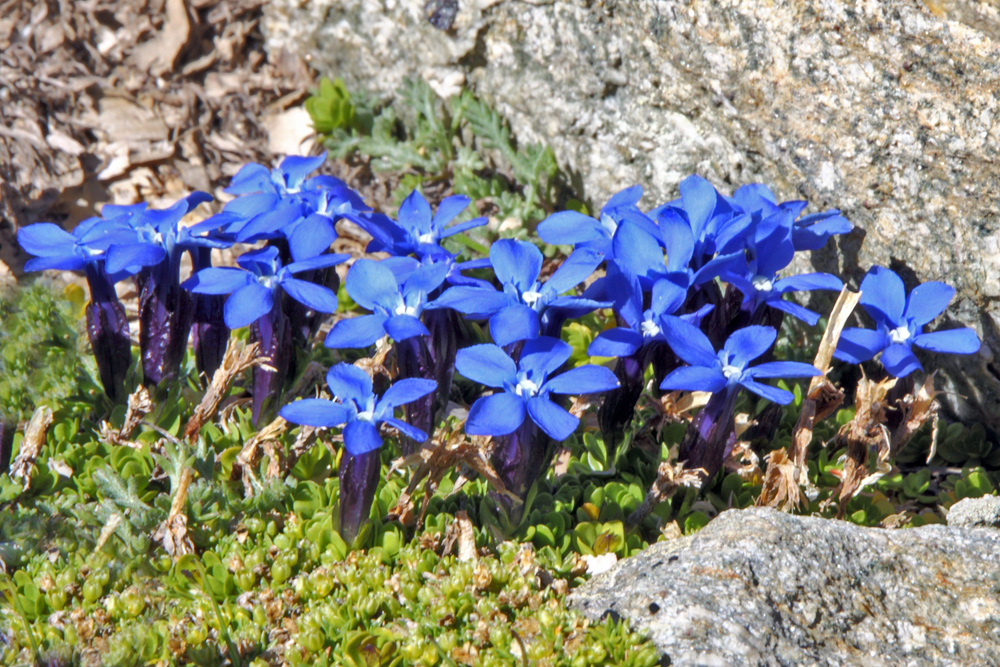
x,y
250,178
883,296
218,280
463,227
814,236
809,281
405,391
318,262
617,342
361,437
622,287
667,297
513,323
317,412
45,239
678,238
639,252
699,199
133,256
498,414
694,378
551,418
270,223
773,394
746,344
486,364
586,379
317,297
415,214
60,262
350,383
311,237
426,278
782,369
476,302
370,284
568,228
448,209
952,341
899,360
297,167
574,270
688,342
544,355
411,432
358,332
857,345
794,309
516,263
402,327
630,196
926,302
247,304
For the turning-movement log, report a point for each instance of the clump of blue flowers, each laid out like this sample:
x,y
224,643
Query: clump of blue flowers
x,y
693,293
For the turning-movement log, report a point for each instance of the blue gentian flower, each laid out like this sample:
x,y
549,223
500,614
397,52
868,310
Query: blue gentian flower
x,y
396,304
86,249
256,285
417,231
728,369
809,232
769,250
526,386
525,307
899,324
358,409
583,231
284,204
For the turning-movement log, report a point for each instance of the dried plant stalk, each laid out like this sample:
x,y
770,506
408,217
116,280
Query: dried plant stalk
x,y
172,533
140,404
918,408
822,399
31,445
669,479
863,434
238,359
262,442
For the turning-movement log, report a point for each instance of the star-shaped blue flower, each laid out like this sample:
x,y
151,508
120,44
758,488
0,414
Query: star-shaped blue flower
x,y
517,312
899,324
728,369
526,386
255,287
358,409
583,231
396,292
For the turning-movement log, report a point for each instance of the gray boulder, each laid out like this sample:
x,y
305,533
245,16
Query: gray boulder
x,y
886,110
761,587
975,513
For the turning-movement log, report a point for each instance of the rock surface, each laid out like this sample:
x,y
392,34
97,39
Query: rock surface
x,y
975,513
887,110
760,587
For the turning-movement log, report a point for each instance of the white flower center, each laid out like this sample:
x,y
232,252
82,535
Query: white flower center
x,y
531,296
900,334
403,309
731,371
525,387
762,284
367,416
268,281
609,224
649,328
428,237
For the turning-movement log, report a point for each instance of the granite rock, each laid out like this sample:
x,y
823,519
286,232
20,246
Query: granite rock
x,y
886,109
975,513
761,587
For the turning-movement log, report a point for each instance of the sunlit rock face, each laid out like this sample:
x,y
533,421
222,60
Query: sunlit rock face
x,y
761,587
885,110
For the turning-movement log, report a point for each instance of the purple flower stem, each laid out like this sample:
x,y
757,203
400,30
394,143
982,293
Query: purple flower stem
x,y
618,407
209,334
711,434
166,313
359,477
274,334
107,329
521,457
414,360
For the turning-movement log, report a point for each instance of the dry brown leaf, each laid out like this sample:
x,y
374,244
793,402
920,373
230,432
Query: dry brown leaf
x,y
669,478
863,434
744,462
172,533
781,483
467,552
139,405
238,358
31,445
158,55
918,408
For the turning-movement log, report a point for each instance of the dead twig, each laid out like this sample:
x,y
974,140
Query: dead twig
x,y
31,445
238,359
